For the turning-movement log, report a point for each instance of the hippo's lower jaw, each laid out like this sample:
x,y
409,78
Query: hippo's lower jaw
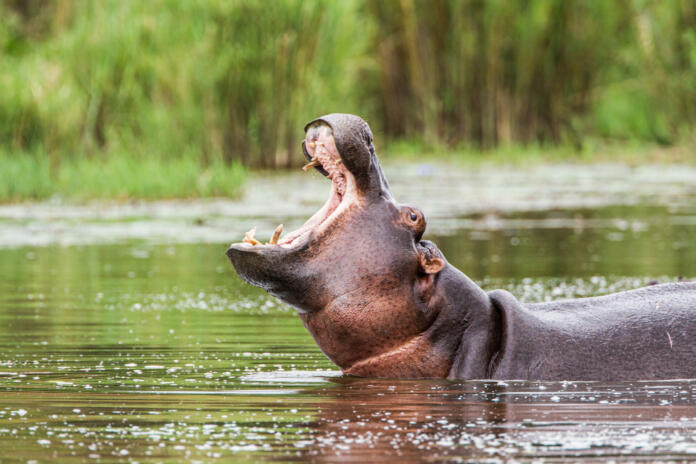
x,y
337,203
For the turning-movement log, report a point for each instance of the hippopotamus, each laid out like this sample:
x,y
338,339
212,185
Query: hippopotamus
x,y
380,301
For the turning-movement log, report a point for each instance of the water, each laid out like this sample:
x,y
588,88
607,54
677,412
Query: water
x,y
126,335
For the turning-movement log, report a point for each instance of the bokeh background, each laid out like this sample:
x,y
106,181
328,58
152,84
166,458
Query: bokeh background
x,y
163,98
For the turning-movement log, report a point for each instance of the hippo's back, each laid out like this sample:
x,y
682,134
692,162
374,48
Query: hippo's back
x,y
647,333
669,297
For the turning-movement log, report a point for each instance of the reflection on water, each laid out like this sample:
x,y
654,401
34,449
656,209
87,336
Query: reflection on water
x,y
159,352
359,419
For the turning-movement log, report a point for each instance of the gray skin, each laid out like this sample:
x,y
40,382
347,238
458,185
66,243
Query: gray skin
x,y
382,302
646,333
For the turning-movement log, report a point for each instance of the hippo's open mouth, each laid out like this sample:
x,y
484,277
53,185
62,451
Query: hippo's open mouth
x,y
320,150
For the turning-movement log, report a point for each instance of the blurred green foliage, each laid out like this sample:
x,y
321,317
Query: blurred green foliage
x,y
486,73
218,82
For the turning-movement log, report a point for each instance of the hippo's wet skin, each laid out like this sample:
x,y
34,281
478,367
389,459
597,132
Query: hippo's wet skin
x,y
381,302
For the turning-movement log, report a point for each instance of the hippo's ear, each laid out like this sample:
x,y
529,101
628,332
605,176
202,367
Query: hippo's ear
x,y
430,259
428,268
429,264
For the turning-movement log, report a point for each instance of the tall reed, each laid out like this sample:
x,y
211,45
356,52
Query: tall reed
x,y
222,82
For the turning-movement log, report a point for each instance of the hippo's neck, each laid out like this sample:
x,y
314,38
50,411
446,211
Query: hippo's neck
x,y
417,358
470,314
460,343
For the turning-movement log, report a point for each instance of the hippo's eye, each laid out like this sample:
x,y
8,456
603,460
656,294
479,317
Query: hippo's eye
x,y
414,217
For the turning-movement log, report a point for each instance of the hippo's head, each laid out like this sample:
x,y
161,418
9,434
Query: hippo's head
x,y
365,284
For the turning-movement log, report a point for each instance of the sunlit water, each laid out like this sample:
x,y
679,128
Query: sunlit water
x,y
149,348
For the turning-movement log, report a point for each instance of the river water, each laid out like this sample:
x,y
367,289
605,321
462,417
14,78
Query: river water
x,y
126,335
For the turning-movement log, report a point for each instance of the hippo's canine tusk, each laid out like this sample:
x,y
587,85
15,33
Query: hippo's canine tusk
x,y
276,235
311,164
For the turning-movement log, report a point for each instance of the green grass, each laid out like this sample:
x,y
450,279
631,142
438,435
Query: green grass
x,y
30,177
218,80
593,151
25,177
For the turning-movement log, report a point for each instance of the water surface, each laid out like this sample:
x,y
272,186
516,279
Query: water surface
x,y
118,345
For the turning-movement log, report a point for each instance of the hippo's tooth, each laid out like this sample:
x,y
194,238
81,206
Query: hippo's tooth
x,y
311,164
312,144
276,235
249,237
338,161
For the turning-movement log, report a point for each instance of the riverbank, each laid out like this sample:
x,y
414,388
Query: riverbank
x,y
125,178
31,178
592,152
